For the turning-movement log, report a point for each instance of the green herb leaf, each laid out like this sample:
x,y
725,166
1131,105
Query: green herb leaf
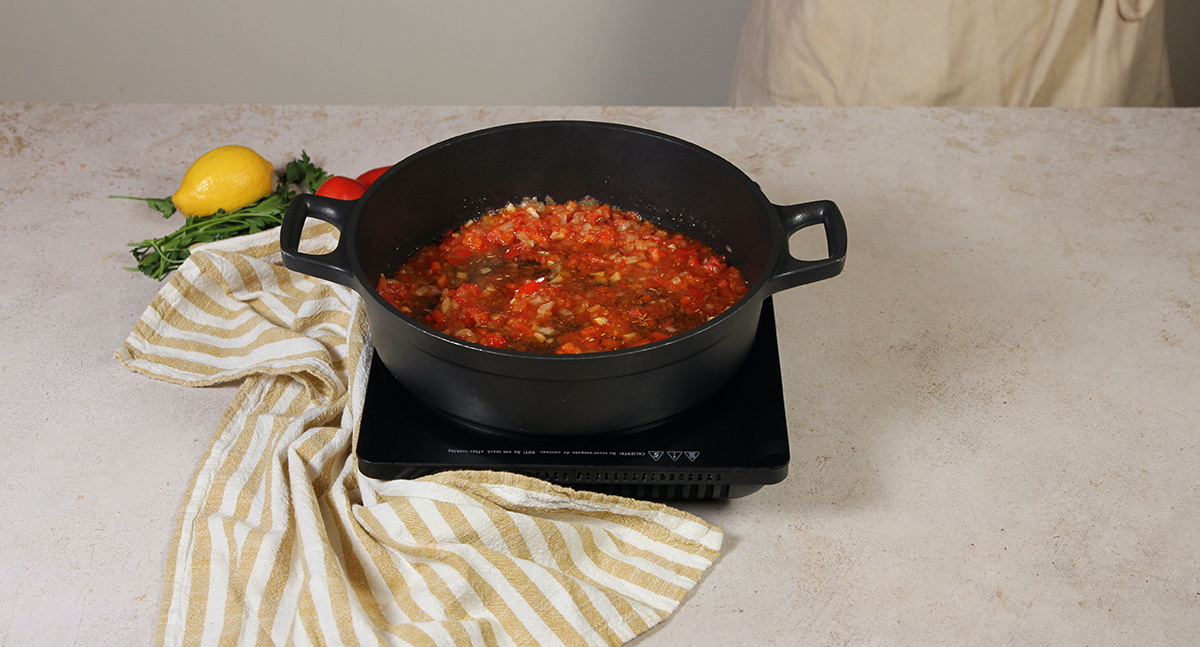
x,y
305,173
162,205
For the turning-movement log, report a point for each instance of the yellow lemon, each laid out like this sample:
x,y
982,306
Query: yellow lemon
x,y
229,177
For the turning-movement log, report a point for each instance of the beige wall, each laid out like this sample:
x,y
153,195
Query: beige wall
x,y
488,52
494,52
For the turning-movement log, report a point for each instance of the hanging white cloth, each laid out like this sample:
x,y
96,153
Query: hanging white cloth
x,y
1065,53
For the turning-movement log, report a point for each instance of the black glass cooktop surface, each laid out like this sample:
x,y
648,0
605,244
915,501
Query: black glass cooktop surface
x,y
728,446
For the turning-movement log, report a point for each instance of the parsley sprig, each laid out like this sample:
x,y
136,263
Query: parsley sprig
x,y
158,256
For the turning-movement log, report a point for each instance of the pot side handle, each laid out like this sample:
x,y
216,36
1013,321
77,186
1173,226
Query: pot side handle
x,y
791,271
333,266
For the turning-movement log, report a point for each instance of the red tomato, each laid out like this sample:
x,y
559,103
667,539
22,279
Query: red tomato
x,y
340,187
370,176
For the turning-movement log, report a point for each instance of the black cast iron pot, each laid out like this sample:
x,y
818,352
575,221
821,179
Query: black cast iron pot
x,y
669,181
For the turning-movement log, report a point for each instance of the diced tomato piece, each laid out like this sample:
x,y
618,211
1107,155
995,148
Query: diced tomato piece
x,y
476,316
393,291
531,286
494,339
466,291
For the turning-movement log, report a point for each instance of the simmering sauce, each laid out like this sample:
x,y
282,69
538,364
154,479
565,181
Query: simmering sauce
x,y
574,277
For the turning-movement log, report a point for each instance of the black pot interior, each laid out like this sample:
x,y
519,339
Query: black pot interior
x,y
668,181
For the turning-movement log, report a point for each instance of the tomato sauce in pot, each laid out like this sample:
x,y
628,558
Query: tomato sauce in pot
x,y
575,277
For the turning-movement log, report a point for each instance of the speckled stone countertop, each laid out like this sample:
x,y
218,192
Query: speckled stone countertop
x,y
994,411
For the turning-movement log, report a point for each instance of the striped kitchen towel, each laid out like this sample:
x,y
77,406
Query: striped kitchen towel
x,y
282,541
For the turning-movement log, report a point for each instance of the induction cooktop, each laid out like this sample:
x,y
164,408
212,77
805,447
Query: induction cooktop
x,y
730,445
